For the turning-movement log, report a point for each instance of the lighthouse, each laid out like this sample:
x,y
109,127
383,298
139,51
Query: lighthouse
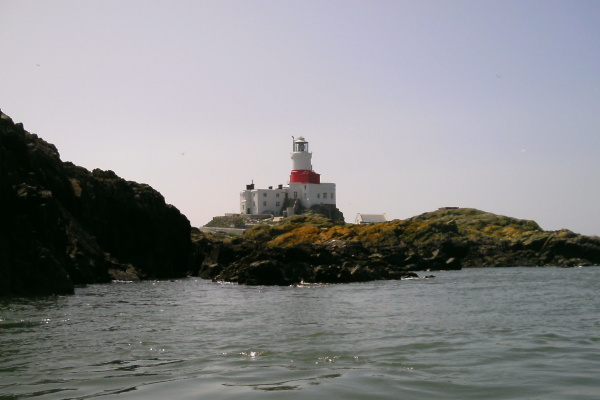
x,y
305,184
304,190
301,163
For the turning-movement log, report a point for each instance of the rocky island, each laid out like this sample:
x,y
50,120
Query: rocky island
x,y
62,225
312,248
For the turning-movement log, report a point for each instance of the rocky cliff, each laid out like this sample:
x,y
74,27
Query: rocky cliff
x,y
62,225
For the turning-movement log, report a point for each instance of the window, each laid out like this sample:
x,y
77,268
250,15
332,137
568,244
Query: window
x,y
295,195
277,204
264,203
324,195
276,194
265,194
319,195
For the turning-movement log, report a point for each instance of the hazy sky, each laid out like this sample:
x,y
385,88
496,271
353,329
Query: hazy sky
x,y
408,105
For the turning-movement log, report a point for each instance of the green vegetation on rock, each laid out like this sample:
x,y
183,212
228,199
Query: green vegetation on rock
x,y
228,221
313,248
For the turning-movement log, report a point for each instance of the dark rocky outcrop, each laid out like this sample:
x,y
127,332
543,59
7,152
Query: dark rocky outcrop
x,y
253,264
316,249
62,225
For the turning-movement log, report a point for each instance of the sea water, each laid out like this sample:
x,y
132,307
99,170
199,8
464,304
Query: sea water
x,y
506,333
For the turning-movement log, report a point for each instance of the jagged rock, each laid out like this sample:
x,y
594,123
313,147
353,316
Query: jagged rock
x,y
293,265
263,272
63,225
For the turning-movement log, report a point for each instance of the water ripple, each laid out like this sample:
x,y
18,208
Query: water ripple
x,y
502,334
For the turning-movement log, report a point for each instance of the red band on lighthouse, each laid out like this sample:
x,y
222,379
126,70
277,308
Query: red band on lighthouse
x,y
305,176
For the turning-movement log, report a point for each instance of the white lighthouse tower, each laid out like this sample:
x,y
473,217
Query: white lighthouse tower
x,y
304,190
305,184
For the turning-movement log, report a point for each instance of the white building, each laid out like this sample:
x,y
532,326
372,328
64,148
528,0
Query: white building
x,y
304,189
262,201
364,219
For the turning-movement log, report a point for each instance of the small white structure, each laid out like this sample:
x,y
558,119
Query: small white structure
x,y
304,189
365,219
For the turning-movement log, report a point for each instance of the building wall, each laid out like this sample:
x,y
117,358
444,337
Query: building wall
x,y
259,201
246,202
312,193
370,218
